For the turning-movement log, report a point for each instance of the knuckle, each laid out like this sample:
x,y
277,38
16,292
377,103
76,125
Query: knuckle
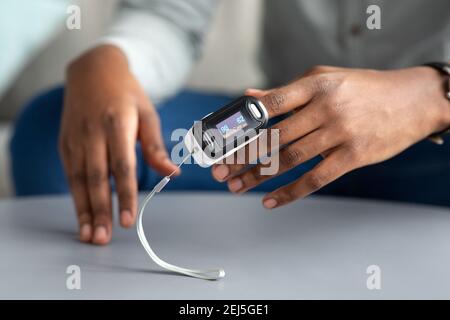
x,y
68,147
291,156
335,108
348,131
274,101
126,195
315,181
154,147
316,69
321,143
324,83
252,176
101,215
333,99
354,154
122,168
96,177
320,84
316,115
288,195
112,119
77,178
84,218
89,126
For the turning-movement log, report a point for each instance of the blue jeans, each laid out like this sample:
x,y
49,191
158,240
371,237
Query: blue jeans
x,y
421,174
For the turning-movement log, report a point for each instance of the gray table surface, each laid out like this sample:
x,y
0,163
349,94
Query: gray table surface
x,y
316,248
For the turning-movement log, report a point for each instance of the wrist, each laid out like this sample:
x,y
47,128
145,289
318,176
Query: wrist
x,y
438,83
103,57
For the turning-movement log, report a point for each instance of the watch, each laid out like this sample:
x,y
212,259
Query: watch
x,y
443,68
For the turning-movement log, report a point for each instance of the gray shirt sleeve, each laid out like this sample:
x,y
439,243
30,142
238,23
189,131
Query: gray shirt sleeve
x,y
161,39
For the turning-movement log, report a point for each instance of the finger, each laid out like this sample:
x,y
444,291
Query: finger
x,y
75,168
321,69
286,98
99,189
153,149
121,144
328,170
289,157
277,101
298,125
257,93
239,160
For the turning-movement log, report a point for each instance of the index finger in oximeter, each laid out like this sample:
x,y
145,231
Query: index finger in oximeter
x,y
221,133
216,136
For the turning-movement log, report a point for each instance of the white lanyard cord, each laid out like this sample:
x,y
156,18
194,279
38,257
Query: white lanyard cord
x,y
209,274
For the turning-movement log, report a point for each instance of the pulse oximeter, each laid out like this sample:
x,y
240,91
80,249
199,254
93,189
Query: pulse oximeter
x,y
213,138
221,133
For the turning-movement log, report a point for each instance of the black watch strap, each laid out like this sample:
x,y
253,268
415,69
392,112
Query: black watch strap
x,y
443,68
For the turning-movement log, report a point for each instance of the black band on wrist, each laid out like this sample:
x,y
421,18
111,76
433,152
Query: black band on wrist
x,y
443,68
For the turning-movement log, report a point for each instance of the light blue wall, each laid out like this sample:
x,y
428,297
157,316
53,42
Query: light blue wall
x,y
25,25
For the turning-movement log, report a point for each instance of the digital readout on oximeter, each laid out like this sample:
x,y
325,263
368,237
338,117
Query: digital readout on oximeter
x,y
232,124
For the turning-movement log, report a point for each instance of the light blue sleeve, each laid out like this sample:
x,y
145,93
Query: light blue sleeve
x,y
161,39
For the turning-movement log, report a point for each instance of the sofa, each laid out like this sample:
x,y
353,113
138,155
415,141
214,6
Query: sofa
x,y
230,49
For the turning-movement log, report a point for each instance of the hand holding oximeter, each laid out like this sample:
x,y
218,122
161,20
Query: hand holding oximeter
x,y
221,133
215,137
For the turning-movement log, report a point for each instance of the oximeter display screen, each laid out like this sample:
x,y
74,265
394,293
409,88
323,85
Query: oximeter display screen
x,y
232,124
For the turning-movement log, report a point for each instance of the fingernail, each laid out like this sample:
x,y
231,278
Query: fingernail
x,y
270,203
126,218
235,185
85,232
174,166
100,235
221,172
169,162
